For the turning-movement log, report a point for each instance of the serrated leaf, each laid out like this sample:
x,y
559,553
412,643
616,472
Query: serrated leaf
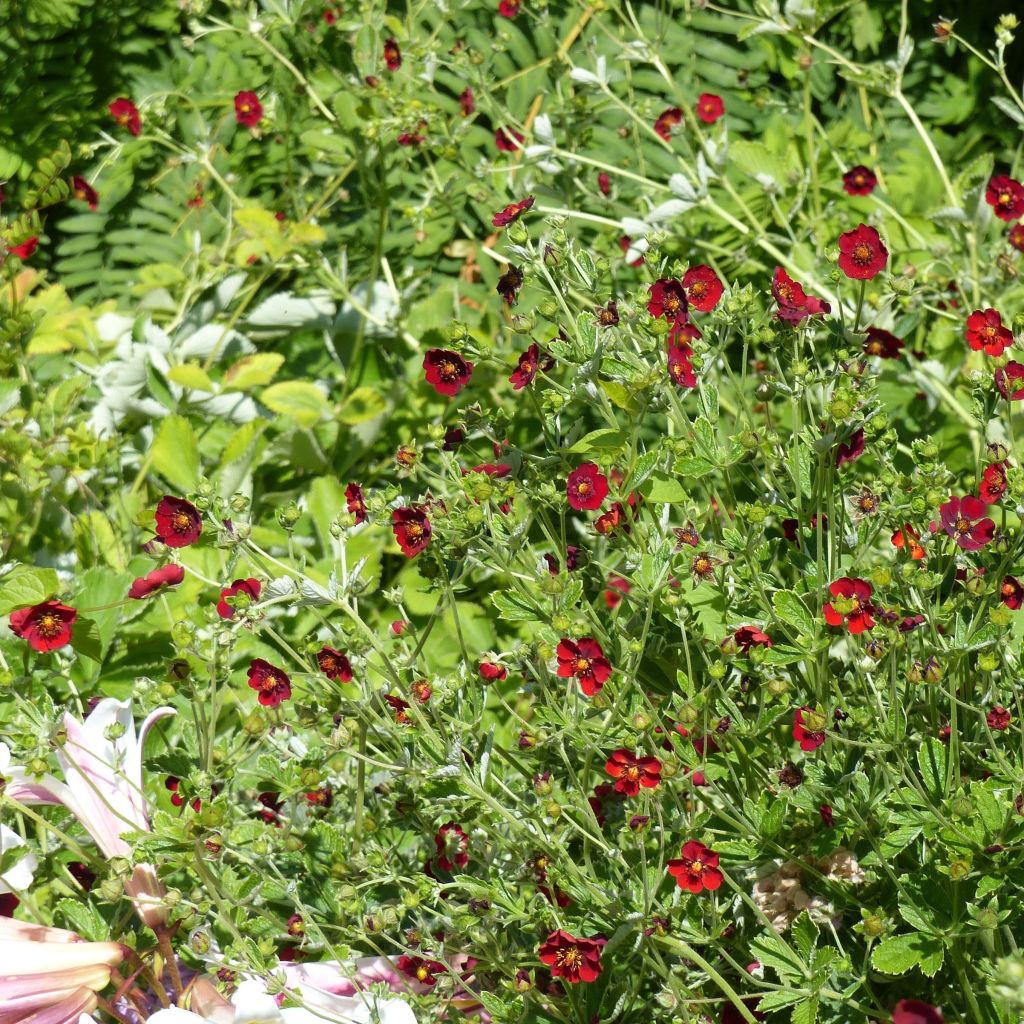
x,y
363,404
932,760
805,935
901,953
898,839
253,371
514,608
190,375
609,439
791,610
299,400
665,489
25,585
175,453
805,1013
773,952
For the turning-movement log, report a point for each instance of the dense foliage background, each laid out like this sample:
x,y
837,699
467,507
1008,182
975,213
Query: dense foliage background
x,y
254,260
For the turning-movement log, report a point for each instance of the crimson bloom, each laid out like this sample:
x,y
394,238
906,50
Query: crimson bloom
x,y
271,684
249,588
703,287
447,371
467,104
966,521
26,248
452,843
631,772
1005,196
750,636
355,502
585,661
604,183
882,344
511,213
862,256
809,739
913,1011
412,529
709,107
697,868
680,366
794,303
618,587
570,958
526,369
986,332
159,579
826,813
392,55
907,537
855,599
993,483
1011,593
84,192
418,969
126,114
45,626
508,8
248,109
1016,237
859,181
586,487
1010,381
178,522
851,449
998,718
492,671
509,284
668,299
666,121
508,140
334,664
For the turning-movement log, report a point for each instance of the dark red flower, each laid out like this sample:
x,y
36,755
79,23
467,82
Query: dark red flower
x,y
491,671
248,109
686,535
511,213
913,1011
908,538
411,528
750,636
355,502
680,366
625,244
509,284
697,868
859,181
586,487
412,138
422,691
570,958
45,626
851,449
703,287
794,303
392,55
667,120
668,299
855,597
418,969
862,256
993,483
998,718
1016,237
882,343
985,332
966,521
526,369
615,518
508,8
1005,196
159,579
618,588
585,661
466,102
24,250
250,589
807,738
1011,592
271,684
84,192
1010,381
334,664
508,140
178,522
452,843
126,114
709,107
631,772
607,316
400,708
604,183
826,815
571,560
447,371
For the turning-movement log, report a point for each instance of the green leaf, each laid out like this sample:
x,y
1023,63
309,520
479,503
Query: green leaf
x,y
190,375
363,404
663,488
778,1000
86,639
608,439
175,453
900,953
931,759
297,399
253,371
805,1013
898,839
790,609
692,467
84,919
24,586
805,935
512,607
773,952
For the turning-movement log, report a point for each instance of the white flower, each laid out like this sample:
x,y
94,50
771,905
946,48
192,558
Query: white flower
x,y
18,878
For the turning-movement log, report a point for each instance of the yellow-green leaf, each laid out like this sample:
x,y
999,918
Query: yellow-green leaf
x,y
253,371
362,405
298,399
175,454
190,375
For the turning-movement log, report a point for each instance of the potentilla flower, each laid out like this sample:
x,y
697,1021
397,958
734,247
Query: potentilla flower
x,y
668,299
248,109
696,869
667,120
583,660
452,843
607,316
271,684
809,739
631,772
508,140
794,303
993,483
467,103
604,183
511,213
421,970
355,502
966,521
334,664
851,604
586,488
1009,381
178,522
851,449
913,1011
859,181
908,538
508,8
702,568
412,138
24,250
709,107
249,589
159,579
686,535
509,284
986,332
703,287
618,588
392,55
126,114
45,626
1015,237
412,529
882,344
492,671
826,815
526,369
750,636
447,371
83,191
998,718
1011,592
862,256
1005,196
680,366
571,958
